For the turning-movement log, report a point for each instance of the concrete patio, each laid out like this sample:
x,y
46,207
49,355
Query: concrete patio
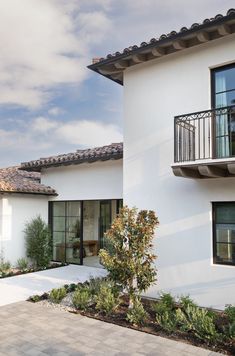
x,y
19,288
36,330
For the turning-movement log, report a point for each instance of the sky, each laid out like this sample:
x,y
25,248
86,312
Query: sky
x,y
50,103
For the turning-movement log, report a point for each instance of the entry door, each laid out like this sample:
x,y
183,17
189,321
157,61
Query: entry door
x,y
105,219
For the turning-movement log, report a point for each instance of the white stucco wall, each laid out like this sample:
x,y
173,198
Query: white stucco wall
x,y
15,211
154,93
87,181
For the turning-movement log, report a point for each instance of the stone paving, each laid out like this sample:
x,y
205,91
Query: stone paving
x,y
35,330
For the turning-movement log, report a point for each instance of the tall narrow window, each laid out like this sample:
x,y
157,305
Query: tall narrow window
x,y
223,95
224,233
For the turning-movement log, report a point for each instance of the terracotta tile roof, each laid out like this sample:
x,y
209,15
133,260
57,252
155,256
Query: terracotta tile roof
x,y
113,65
104,153
14,180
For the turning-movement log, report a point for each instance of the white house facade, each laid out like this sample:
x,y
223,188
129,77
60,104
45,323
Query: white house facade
x,y
89,191
183,165
22,198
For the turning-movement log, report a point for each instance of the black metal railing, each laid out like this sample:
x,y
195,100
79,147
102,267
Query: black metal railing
x,y
205,134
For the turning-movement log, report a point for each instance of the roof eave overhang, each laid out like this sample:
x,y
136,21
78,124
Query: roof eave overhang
x,y
114,66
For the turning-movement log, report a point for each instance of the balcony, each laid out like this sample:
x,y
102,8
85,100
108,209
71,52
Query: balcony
x,y
204,144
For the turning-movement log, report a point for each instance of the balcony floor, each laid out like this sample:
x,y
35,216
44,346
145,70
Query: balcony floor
x,y
213,168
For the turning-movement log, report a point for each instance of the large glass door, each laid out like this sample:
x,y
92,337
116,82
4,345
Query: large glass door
x,y
66,231
105,219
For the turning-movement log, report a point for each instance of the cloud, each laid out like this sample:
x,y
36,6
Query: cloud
x,y
55,111
44,137
45,44
88,133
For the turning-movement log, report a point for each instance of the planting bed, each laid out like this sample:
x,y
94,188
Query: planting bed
x,y
149,326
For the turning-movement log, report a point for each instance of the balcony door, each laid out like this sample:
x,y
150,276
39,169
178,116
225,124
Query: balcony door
x,y
223,95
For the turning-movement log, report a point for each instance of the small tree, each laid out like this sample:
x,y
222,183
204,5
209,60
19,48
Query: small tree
x,y
130,261
38,242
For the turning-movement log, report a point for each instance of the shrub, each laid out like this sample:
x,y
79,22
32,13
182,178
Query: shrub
x,y
185,301
130,263
229,330
167,320
57,294
5,267
168,300
81,298
71,287
38,242
230,312
106,301
22,264
199,321
137,315
95,285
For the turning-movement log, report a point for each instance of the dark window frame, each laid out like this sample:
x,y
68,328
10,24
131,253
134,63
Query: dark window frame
x,y
215,260
213,72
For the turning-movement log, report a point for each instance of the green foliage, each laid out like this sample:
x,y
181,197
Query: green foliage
x,y
57,294
185,301
137,314
71,287
106,300
168,300
229,330
35,298
130,263
38,242
165,312
199,321
230,312
167,320
95,284
22,264
81,298
5,266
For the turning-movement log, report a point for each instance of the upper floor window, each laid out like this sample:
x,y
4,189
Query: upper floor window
x,y
224,233
223,95
223,86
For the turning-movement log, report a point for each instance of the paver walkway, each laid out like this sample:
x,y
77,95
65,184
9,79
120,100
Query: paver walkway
x,y
36,330
19,288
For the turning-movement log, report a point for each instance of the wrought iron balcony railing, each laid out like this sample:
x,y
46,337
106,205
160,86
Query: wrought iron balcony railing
x,y
205,135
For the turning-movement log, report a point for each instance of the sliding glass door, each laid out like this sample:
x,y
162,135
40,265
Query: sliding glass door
x,y
66,231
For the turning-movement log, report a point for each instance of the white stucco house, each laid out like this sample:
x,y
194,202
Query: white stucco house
x,y
179,152
179,160
78,193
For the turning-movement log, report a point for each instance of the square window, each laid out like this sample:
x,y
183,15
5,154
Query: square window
x,y
224,233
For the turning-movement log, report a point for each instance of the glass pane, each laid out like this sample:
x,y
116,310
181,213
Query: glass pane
x,y
59,246
58,208
225,99
225,213
225,253
73,226
59,224
225,79
73,208
225,233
